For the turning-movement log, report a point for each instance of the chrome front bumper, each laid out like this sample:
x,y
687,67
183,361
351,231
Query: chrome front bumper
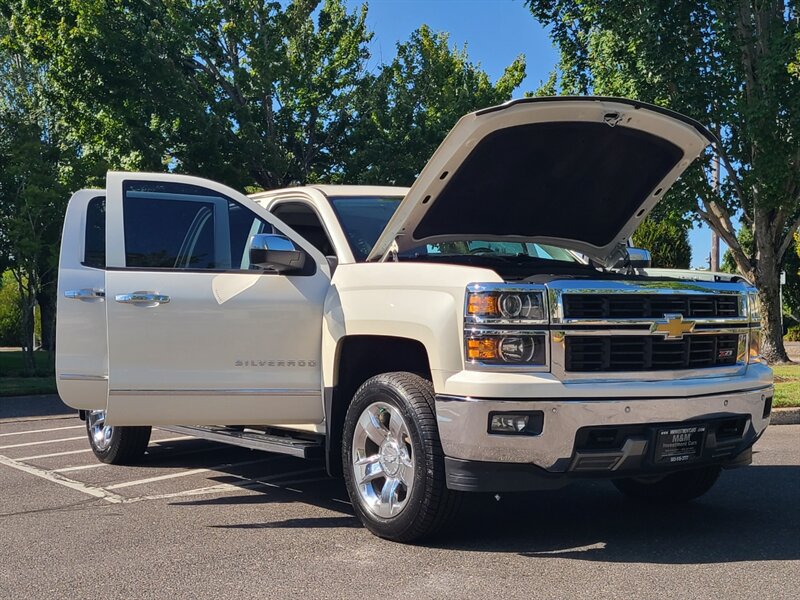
x,y
463,420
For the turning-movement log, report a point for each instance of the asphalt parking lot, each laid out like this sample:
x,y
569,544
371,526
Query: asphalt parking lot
x,y
198,519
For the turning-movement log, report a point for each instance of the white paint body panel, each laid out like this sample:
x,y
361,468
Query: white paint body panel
x,y
218,353
82,356
422,302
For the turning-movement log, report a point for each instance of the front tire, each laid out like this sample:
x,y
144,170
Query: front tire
x,y
115,445
393,460
675,488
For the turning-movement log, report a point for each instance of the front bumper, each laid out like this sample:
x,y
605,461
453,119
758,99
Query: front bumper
x,y
561,449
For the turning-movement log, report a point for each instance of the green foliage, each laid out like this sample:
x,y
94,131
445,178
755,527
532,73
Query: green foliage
x,y
727,64
253,93
408,108
39,164
242,91
793,335
667,241
10,315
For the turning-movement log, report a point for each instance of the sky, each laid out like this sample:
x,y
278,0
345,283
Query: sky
x,y
495,33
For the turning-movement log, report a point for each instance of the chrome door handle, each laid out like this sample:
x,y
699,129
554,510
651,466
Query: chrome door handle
x,y
84,294
144,298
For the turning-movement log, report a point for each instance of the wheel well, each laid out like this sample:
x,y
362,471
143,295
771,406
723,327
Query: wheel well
x,y
360,357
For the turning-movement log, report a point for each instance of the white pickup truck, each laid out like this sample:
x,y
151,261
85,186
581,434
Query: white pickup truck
x,y
485,330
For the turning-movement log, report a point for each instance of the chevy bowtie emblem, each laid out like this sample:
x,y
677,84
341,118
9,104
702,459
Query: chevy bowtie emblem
x,y
673,327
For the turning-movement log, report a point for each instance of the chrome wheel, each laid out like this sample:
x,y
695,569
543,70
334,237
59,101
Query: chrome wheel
x,y
98,430
383,460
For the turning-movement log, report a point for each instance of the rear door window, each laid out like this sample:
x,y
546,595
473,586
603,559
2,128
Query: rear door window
x,y
94,248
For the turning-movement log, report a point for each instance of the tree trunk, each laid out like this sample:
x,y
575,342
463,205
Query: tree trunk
x,y
767,280
27,325
47,307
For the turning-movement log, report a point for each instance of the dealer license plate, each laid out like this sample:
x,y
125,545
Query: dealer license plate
x,y
677,445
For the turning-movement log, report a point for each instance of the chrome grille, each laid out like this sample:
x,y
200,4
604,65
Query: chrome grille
x,y
649,306
607,353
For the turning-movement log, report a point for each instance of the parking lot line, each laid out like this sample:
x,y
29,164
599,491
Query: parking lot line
x,y
80,468
270,481
174,439
125,484
156,478
35,456
40,442
78,486
214,489
42,430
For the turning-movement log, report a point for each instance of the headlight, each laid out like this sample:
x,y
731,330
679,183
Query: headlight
x,y
508,348
501,303
499,326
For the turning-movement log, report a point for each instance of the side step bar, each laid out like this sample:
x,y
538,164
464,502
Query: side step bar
x,y
252,439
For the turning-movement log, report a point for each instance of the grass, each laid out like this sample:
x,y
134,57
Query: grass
x,y
15,382
27,386
787,385
13,365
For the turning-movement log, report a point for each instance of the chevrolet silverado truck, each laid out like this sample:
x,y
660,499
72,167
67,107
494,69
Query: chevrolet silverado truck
x,y
486,330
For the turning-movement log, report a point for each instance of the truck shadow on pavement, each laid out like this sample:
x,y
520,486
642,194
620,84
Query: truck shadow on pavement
x,y
751,515
24,407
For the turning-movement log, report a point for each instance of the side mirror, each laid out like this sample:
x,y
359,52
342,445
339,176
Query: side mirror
x,y
639,258
276,252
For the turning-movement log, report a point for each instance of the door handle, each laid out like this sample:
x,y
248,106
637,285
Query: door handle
x,y
142,298
84,294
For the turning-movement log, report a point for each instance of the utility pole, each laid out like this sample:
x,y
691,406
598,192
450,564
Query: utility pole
x,y
714,262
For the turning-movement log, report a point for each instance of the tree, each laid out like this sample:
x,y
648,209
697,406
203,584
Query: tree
x,y
32,194
667,241
410,105
10,316
242,91
727,64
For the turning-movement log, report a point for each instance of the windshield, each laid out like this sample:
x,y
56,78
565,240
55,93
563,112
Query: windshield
x,y
363,218
498,249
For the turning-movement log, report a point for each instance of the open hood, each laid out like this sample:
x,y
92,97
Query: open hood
x,y
575,172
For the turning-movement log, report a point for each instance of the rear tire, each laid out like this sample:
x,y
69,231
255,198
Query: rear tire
x,y
391,438
675,488
115,445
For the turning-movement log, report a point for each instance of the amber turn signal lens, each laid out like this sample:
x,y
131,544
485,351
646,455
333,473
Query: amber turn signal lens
x,y
482,349
482,304
512,305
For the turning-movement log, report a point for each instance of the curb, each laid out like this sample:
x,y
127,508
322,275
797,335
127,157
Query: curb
x,y
785,416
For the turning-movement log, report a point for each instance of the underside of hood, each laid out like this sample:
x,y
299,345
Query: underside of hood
x,y
579,173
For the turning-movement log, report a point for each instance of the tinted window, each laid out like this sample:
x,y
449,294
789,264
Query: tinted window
x,y
243,226
168,234
304,220
178,226
363,219
94,250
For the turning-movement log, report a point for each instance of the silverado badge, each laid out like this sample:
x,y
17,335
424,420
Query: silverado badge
x,y
672,327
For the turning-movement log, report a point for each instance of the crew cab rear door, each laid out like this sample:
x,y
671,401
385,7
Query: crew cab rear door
x,y
195,336
81,352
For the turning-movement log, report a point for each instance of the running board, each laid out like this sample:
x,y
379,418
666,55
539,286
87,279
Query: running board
x,y
255,440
